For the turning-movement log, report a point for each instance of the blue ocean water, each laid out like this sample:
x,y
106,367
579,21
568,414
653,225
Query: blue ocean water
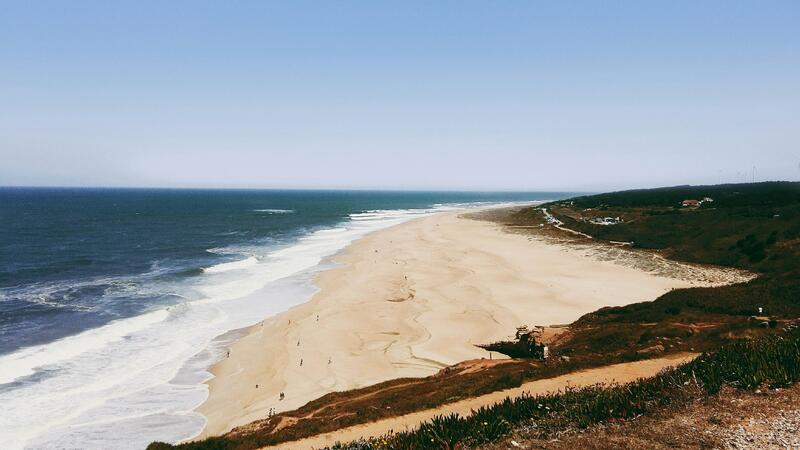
x,y
112,298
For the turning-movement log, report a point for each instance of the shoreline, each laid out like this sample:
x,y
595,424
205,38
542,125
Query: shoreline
x,y
406,301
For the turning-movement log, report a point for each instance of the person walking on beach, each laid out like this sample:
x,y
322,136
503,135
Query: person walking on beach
x,y
282,396
301,362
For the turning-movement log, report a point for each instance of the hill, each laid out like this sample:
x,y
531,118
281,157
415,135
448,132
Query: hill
x,y
750,226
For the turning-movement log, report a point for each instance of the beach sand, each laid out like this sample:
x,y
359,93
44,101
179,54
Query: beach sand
x,y
408,301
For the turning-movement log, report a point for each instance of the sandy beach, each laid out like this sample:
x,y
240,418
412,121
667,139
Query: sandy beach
x,y
409,300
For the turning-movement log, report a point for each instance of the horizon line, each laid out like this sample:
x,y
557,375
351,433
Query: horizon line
x,y
379,189
230,188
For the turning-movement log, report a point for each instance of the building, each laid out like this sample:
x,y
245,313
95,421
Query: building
x,y
691,203
605,220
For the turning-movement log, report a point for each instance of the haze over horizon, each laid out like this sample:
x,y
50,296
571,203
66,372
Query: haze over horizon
x,y
588,96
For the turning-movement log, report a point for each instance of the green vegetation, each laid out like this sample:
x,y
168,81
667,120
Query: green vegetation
x,y
771,193
749,226
684,319
770,362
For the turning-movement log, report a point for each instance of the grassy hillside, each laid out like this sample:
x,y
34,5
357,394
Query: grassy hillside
x,y
771,193
749,226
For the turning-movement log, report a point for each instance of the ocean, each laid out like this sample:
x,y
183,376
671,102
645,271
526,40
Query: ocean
x,y
114,302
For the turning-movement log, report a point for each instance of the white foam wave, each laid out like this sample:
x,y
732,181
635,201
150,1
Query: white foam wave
x,y
275,211
232,265
23,363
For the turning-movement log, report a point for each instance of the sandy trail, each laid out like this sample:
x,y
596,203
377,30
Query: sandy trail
x,y
617,373
407,301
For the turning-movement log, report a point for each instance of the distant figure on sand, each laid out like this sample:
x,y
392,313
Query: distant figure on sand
x,y
330,360
282,395
301,361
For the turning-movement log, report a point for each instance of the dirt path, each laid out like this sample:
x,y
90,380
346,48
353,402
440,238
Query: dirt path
x,y
619,373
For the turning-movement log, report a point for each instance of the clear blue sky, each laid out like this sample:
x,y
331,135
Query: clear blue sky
x,y
485,95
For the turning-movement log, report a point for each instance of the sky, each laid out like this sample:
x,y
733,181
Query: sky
x,y
484,95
